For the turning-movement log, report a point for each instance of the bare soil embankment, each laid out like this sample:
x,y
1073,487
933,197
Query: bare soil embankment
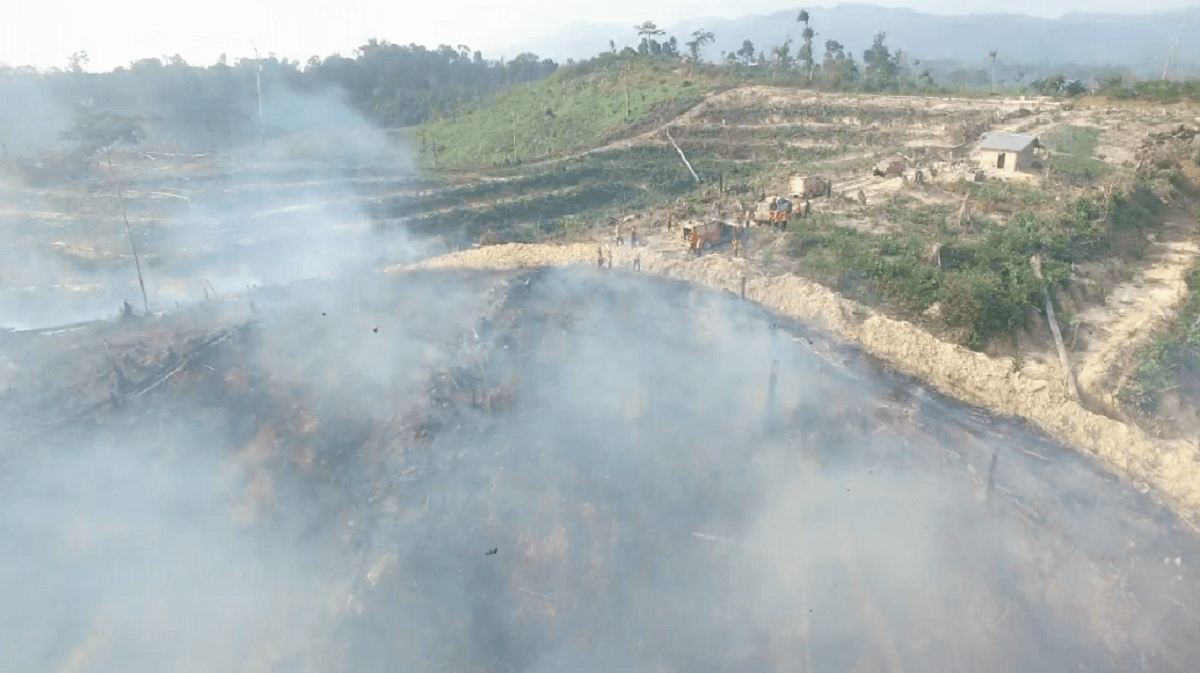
x,y
1171,469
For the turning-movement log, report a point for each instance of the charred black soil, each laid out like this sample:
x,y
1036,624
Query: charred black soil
x,y
571,470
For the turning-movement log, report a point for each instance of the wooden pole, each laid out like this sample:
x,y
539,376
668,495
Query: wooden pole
x,y
1058,340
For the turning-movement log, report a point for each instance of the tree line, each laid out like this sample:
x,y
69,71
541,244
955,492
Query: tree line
x,y
393,85
216,105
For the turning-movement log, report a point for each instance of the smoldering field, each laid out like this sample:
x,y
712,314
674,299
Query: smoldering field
x,y
320,491
202,222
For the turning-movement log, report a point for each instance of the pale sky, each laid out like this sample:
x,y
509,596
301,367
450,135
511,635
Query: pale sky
x,y
44,32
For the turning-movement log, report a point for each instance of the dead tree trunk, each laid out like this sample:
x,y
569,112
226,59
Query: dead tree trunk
x,y
129,232
681,155
627,114
962,213
1058,340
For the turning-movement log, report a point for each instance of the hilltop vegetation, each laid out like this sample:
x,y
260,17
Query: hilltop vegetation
x,y
571,110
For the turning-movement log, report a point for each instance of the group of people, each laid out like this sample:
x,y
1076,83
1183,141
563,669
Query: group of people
x,y
603,261
695,243
633,237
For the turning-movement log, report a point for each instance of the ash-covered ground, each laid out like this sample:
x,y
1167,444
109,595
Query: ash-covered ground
x,y
563,470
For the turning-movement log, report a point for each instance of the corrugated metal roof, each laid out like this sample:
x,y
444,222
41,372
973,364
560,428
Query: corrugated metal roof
x,y
1007,142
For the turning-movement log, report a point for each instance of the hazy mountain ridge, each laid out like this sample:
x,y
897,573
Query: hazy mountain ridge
x,y
1140,42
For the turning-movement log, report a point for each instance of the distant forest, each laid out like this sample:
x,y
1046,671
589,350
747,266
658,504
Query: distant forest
x,y
215,106
395,86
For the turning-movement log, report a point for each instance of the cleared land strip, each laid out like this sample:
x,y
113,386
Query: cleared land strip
x,y
1171,469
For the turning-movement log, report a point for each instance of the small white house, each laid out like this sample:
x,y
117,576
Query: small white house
x,y
1007,151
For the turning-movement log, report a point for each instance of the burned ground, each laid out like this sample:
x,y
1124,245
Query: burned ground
x,y
314,479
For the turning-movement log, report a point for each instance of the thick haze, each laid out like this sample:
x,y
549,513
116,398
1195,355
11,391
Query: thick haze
x,y
44,34
650,510
246,216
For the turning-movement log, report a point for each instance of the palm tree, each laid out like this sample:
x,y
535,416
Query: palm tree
x,y
992,55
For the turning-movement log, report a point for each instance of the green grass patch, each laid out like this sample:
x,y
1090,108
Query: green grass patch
x,y
1072,149
1171,360
1001,195
985,286
560,114
912,215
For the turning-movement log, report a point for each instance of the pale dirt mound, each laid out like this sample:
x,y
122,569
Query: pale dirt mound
x,y
1170,469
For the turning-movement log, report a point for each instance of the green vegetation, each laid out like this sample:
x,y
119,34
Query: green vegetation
x,y
1171,361
984,285
1072,149
1152,89
562,113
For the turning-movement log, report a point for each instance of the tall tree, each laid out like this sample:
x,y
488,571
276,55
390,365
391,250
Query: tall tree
x,y
671,48
700,39
76,61
781,56
746,53
881,70
806,46
648,31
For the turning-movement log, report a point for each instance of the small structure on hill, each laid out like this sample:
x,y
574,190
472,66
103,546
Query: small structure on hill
x,y
1007,151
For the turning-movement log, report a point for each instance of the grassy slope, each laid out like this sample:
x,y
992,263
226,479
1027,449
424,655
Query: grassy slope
x,y
985,285
563,113
1171,360
1071,152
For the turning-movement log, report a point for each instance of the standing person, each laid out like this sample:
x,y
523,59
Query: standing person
x,y
670,220
600,257
696,243
620,239
633,237
737,246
